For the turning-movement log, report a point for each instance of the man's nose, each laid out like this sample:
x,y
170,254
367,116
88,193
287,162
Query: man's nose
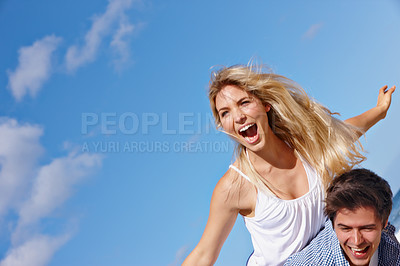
x,y
357,237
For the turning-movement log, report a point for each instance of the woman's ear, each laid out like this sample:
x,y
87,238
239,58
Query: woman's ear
x,y
267,107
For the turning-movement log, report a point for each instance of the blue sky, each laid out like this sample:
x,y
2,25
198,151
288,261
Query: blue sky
x,y
108,154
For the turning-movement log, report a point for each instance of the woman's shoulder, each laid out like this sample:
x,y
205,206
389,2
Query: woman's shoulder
x,y
232,178
235,189
228,180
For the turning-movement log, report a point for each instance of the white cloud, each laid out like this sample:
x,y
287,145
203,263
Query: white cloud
x,y
312,31
120,44
36,251
101,27
54,184
34,191
179,256
34,67
19,152
35,61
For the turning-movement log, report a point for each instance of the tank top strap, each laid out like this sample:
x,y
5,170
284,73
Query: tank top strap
x,y
312,175
239,172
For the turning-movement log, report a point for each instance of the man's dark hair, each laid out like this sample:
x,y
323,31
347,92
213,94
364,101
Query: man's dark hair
x,y
359,188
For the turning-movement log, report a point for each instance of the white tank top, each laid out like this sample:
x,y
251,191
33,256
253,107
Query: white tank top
x,y
279,227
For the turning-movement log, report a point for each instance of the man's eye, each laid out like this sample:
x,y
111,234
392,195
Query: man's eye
x,y
368,229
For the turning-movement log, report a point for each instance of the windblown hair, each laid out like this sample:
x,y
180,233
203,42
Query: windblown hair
x,y
325,142
359,188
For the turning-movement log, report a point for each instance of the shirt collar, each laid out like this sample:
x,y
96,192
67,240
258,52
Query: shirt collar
x,y
374,259
338,255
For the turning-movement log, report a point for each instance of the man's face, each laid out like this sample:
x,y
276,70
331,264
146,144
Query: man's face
x,y
359,234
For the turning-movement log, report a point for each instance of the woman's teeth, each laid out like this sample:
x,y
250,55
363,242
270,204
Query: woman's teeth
x,y
249,132
243,129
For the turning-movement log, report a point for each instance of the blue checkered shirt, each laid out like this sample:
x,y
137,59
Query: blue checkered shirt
x,y
325,249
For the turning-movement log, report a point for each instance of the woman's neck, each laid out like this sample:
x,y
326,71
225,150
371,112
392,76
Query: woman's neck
x,y
277,154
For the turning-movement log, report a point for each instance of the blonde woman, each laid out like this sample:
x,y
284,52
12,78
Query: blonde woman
x,y
288,149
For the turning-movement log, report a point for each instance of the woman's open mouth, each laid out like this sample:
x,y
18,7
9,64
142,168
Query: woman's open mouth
x,y
249,133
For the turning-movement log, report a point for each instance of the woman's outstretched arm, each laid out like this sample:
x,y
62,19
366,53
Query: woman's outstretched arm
x,y
369,118
223,213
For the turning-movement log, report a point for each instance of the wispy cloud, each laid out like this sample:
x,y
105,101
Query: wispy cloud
x,y
35,61
19,153
102,26
34,67
179,256
120,43
312,31
34,191
52,187
36,251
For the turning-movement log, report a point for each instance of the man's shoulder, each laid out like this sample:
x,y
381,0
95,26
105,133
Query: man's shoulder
x,y
321,250
389,247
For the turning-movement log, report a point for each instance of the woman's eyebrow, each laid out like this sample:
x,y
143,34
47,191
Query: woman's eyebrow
x,y
222,108
244,98
238,101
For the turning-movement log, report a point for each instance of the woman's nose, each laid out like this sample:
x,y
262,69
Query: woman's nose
x,y
240,117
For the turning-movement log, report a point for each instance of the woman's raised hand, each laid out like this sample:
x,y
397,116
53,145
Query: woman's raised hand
x,y
385,99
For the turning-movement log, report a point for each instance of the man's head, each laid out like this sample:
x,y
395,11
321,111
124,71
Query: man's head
x,y
359,203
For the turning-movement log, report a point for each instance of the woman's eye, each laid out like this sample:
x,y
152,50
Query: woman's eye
x,y
224,113
245,102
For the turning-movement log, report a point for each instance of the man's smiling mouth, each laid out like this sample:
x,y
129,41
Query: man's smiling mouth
x,y
359,252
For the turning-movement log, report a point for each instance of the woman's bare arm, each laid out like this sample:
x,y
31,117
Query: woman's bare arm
x,y
223,213
369,118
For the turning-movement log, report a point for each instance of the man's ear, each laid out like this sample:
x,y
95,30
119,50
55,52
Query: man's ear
x,y
386,223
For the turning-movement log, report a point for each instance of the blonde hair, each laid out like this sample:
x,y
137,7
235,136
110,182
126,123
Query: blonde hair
x,y
328,144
